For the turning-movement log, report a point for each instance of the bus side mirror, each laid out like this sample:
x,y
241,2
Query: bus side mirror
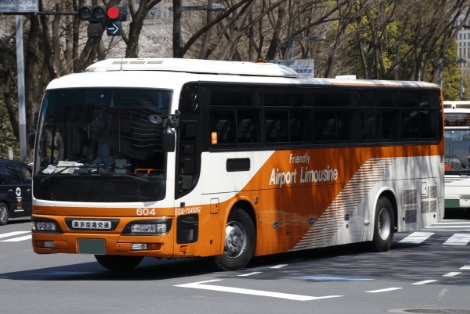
x,y
31,136
168,141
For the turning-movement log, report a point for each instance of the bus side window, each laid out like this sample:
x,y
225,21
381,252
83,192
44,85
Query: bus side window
x,y
368,125
389,124
299,124
325,125
409,124
345,125
248,126
222,122
276,126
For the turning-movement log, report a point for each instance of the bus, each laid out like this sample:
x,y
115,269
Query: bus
x,y
457,155
176,158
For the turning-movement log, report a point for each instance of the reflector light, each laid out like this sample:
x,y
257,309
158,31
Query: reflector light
x,y
113,12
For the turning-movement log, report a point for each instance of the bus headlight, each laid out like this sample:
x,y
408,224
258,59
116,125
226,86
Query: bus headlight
x,y
148,227
45,225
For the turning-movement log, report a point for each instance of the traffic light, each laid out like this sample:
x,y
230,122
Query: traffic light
x,y
111,14
101,13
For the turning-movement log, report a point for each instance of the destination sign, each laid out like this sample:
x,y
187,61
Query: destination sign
x,y
457,119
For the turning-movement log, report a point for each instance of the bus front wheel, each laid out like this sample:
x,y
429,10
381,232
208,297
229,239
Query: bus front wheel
x,y
4,214
240,241
384,225
118,263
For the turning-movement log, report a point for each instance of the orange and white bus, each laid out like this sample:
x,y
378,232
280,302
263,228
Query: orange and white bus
x,y
229,160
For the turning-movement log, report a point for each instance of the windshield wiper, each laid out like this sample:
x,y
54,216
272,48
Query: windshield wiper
x,y
56,173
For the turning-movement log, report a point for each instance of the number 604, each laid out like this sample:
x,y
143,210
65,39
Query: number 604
x,y
145,211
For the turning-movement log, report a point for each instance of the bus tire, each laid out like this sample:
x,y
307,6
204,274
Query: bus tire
x,y
4,213
240,241
119,263
383,226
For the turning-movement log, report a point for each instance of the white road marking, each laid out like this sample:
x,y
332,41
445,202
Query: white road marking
x,y
416,237
451,274
420,283
446,227
279,266
455,222
458,239
11,234
28,237
249,274
466,267
384,290
295,297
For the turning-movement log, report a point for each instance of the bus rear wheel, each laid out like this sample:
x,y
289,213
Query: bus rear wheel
x,y
384,226
118,263
240,241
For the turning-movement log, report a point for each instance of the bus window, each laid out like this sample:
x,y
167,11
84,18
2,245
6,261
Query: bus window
x,y
379,98
427,124
325,125
224,125
388,122
247,126
409,124
417,99
345,125
299,124
276,126
232,96
369,125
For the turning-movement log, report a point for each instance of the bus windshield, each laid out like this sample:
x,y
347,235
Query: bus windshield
x,y
101,145
457,151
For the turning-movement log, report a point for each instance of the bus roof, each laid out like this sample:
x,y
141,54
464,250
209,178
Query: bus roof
x,y
169,73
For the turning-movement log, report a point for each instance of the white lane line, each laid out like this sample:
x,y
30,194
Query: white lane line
x,y
451,223
466,267
416,237
295,297
458,239
451,274
28,237
384,290
447,227
279,266
420,283
14,233
249,274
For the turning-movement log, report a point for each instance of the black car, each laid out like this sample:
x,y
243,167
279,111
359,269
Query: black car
x,y
15,190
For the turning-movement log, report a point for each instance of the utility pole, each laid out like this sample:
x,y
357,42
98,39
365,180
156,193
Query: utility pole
x,y
21,90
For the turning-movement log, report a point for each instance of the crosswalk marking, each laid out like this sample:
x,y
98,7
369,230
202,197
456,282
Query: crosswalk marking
x,y
249,274
11,234
416,237
458,239
451,274
424,282
466,267
295,297
384,290
28,237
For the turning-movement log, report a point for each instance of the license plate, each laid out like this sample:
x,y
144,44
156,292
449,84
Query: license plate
x,y
91,224
92,246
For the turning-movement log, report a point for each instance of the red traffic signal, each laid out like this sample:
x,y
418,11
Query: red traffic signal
x,y
112,12
116,13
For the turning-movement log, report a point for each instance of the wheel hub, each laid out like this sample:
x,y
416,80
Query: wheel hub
x,y
383,224
235,239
